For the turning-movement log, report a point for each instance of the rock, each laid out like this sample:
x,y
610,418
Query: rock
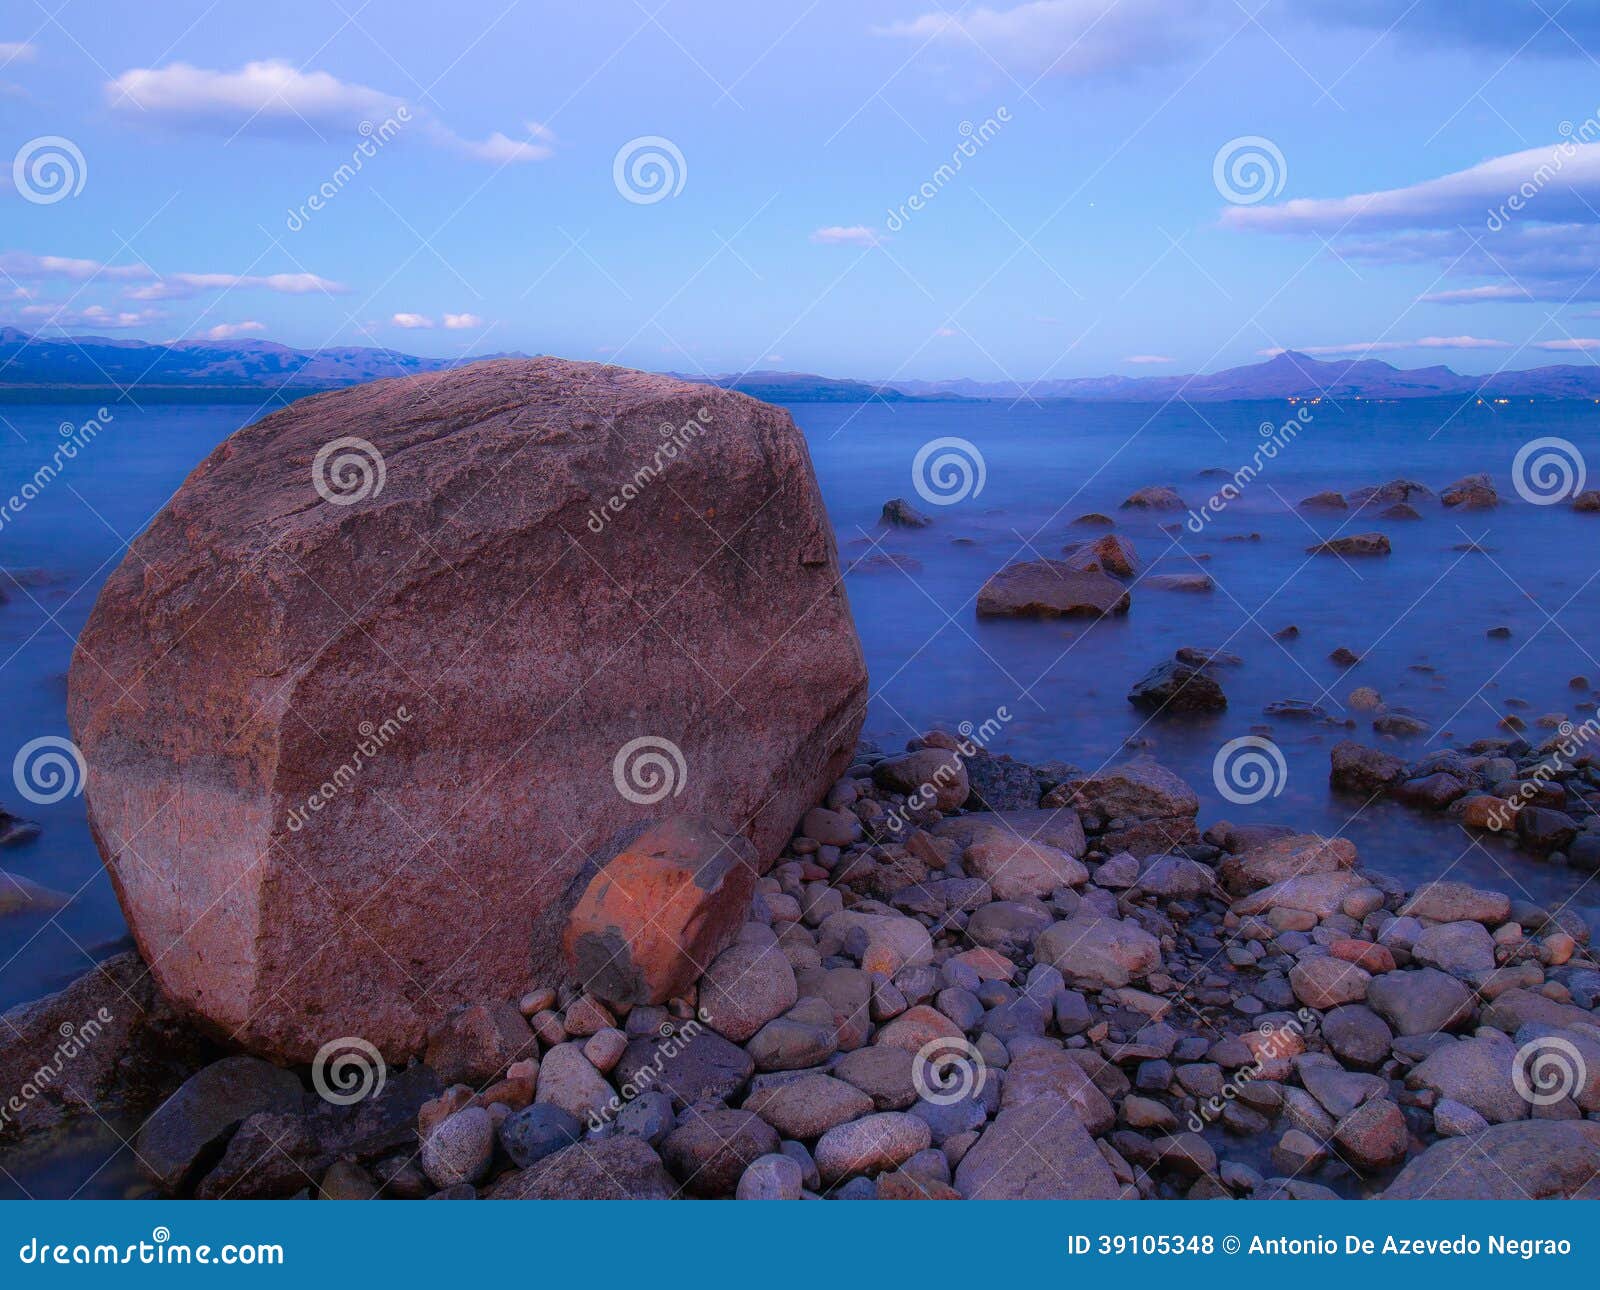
x,y
621,1167
745,987
937,776
1280,859
648,1115
1543,830
1357,1035
887,942
345,1181
660,910
804,1036
18,894
917,1027
1327,501
687,1067
1355,544
1154,497
1475,1072
1176,877
206,1108
569,1080
1364,770
1587,501
1396,490
1104,952
246,584
809,1106
1452,1119
1451,902
459,1148
870,1145
1326,982
831,828
531,1134
774,1177
710,1150
1001,783
1364,699
1320,894
1118,873
1373,1137
1009,927
1180,582
1094,519
1051,1072
1140,788
1017,869
1429,792
477,1044
1400,511
1457,948
1421,1001
1050,589
273,1154
1471,492
848,992
1174,687
1401,725
1525,1160
125,1048
883,1073
1060,828
1112,554
1036,1151
899,513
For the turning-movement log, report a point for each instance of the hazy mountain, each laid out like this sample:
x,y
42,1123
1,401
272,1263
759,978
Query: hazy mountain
x,y
33,362
101,362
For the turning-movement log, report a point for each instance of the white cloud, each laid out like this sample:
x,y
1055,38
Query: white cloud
x,y
17,51
1065,37
411,321
25,266
227,331
1147,358
273,96
174,285
1568,345
462,322
842,235
92,316
270,93
1476,295
500,150
1390,346
945,332
1558,182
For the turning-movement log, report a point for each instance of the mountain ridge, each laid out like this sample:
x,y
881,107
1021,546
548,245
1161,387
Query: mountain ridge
x,y
99,362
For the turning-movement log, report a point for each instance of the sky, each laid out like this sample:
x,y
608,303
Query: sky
x,y
877,190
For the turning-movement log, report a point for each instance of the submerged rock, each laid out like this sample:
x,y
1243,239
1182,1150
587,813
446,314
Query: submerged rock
x,y
1050,589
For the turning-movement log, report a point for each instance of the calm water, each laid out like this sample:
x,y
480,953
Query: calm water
x,y
1419,618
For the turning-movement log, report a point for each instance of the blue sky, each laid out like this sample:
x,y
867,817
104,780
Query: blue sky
x,y
1087,231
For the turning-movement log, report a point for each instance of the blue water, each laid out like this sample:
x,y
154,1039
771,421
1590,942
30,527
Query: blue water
x,y
1419,617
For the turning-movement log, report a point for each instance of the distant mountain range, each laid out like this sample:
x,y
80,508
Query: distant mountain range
x,y
189,368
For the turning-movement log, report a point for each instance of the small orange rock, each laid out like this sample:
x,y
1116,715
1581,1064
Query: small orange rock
x,y
1364,954
990,965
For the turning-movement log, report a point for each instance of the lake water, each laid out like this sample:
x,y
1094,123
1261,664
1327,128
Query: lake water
x,y
1419,618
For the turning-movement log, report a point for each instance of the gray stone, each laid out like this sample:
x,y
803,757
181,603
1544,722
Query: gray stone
x,y
206,1108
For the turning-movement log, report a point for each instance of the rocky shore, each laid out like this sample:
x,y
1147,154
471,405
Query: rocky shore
x,y
965,977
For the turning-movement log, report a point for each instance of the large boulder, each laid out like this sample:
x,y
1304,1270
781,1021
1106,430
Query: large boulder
x,y
1520,1160
397,667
